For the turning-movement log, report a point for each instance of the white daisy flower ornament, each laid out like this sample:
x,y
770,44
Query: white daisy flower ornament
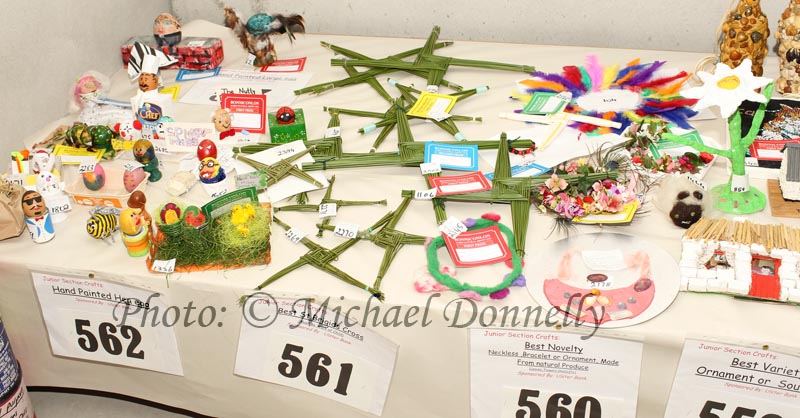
x,y
727,88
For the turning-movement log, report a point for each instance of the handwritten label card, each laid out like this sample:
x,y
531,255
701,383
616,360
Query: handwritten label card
x,y
433,105
725,380
478,247
300,345
452,227
80,316
518,373
466,183
248,111
454,157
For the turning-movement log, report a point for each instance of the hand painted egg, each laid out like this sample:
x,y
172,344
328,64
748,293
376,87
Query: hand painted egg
x,y
132,178
206,148
193,216
170,214
96,179
259,23
285,115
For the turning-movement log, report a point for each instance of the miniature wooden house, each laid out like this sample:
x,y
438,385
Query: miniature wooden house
x,y
741,258
789,176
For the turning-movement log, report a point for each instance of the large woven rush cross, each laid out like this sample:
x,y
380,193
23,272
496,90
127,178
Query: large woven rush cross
x,y
321,258
327,199
279,170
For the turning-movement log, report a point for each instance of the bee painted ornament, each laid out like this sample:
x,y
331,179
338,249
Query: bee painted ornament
x,y
102,223
744,35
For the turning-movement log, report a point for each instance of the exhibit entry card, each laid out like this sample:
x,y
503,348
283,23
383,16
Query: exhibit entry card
x,y
297,343
527,170
466,183
547,103
248,111
454,157
516,373
433,105
723,380
292,65
108,322
478,247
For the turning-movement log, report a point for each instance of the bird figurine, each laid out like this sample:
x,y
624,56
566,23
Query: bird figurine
x,y
255,34
241,216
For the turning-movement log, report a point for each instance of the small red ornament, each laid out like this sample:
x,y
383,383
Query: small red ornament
x,y
206,148
285,115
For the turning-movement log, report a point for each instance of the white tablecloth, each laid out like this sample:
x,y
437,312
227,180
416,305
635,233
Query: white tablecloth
x,y
431,378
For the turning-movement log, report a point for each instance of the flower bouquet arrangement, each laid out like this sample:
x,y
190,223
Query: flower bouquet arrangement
x,y
585,197
643,138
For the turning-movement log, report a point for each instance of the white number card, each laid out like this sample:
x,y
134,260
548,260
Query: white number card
x,y
107,322
719,380
531,374
302,345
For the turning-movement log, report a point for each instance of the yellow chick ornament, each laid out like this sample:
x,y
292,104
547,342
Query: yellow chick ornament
x,y
241,216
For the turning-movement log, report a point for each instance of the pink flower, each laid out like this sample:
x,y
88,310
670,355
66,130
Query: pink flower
x,y
555,184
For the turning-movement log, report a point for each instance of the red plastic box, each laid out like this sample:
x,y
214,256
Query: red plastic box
x,y
193,53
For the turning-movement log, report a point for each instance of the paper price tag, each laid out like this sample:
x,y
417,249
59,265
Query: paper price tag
x,y
425,194
532,374
719,380
80,317
537,403
430,168
132,165
86,167
294,235
452,227
308,349
164,266
333,131
346,230
327,210
740,184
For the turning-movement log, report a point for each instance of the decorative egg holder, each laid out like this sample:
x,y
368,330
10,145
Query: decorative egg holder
x,y
113,193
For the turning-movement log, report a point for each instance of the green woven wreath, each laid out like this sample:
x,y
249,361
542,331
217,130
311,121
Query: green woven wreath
x,y
498,291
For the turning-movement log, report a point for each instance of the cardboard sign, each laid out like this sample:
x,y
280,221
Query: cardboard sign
x,y
248,111
467,183
478,247
454,157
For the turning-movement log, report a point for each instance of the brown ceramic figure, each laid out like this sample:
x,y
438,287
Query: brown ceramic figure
x,y
744,35
788,36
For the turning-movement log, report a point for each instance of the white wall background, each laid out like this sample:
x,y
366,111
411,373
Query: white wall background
x,y
48,44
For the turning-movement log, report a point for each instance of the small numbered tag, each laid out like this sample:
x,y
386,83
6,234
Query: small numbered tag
x,y
333,131
294,235
740,184
19,180
160,149
86,167
430,168
164,266
327,210
251,59
701,184
132,165
432,88
425,194
452,227
346,230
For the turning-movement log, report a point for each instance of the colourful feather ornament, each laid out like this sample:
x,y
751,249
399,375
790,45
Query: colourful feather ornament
x,y
651,92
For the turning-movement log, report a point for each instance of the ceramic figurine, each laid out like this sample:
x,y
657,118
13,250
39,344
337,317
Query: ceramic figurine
x,y
37,217
135,233
211,171
42,161
57,201
788,36
138,200
222,123
167,30
744,35
144,67
255,34
144,153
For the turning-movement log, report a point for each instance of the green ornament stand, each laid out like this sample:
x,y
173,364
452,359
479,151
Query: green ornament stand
x,y
736,197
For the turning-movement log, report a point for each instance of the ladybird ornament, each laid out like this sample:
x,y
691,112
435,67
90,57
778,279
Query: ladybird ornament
x,y
285,115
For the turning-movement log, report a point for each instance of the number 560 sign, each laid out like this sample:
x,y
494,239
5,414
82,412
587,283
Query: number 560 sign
x,y
532,403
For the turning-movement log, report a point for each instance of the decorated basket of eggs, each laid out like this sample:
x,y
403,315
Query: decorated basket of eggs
x,y
170,218
107,185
